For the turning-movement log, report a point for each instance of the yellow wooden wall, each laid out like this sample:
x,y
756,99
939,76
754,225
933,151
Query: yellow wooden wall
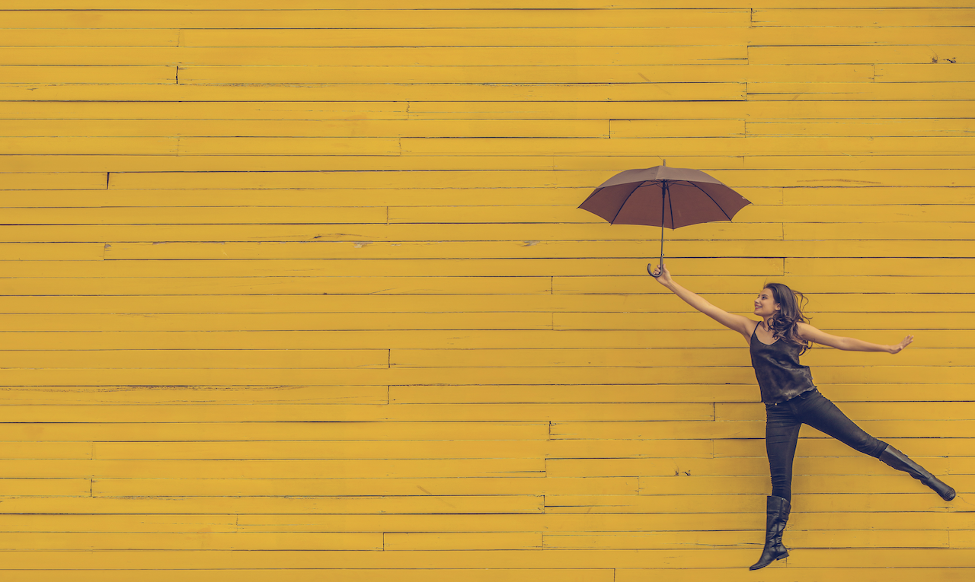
x,y
299,289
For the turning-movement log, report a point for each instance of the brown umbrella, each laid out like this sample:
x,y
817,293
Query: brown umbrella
x,y
663,197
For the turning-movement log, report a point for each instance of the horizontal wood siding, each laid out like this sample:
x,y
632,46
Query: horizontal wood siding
x,y
299,291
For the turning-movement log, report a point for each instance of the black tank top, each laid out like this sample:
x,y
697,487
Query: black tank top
x,y
778,370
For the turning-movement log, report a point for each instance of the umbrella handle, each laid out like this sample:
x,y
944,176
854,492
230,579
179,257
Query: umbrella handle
x,y
652,273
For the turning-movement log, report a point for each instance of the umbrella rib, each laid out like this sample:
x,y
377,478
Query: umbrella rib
x,y
628,197
671,211
728,218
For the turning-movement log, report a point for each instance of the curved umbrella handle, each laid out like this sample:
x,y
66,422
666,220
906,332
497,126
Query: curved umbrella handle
x,y
651,273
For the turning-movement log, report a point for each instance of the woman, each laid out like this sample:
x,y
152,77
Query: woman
x,y
790,397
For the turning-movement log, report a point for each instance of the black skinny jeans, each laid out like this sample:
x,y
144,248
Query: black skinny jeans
x,y
784,424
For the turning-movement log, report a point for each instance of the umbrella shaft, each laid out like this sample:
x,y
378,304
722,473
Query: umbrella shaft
x,y
661,259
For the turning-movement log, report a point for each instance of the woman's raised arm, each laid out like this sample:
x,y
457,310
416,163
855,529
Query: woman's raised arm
x,y
812,334
735,322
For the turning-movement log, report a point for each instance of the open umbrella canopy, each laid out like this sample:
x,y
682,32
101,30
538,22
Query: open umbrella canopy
x,y
664,197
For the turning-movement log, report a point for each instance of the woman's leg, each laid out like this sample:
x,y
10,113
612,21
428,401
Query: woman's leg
x,y
823,415
820,413
782,430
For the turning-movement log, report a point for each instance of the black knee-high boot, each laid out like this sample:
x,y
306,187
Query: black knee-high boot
x,y
898,460
778,509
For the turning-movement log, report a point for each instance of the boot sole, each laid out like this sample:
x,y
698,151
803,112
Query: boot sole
x,y
756,568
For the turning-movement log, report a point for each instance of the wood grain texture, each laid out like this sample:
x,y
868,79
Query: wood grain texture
x,y
301,292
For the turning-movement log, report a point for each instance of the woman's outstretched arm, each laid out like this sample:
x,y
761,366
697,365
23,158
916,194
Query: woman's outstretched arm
x,y
812,334
735,322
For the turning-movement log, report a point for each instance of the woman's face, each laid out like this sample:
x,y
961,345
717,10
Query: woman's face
x,y
763,305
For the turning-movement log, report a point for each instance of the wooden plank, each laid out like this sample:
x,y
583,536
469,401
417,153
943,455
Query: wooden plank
x,y
859,411
296,321
68,251
199,146
516,357
941,127
747,429
952,522
88,37
567,37
880,266
879,573
353,413
479,468
936,558
29,487
327,574
277,487
94,74
235,258
319,128
821,231
942,16
847,468
763,91
204,111
414,449
802,55
139,146
194,146
544,73
199,215
394,19
948,264
270,162
279,285
361,56
271,505
364,233
904,73
364,395
452,376
953,188
484,393
190,359
754,213
851,108
807,283
834,448
242,542
831,302
750,145
66,450
483,4
663,92
354,431
746,539
676,522
744,503
53,180
760,485
417,541
490,375
657,393
481,110
943,246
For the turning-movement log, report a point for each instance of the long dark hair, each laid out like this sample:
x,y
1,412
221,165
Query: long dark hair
x,y
784,322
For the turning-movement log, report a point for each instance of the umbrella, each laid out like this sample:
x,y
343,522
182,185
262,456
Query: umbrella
x,y
663,197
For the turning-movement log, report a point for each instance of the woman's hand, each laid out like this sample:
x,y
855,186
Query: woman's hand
x,y
662,275
897,348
